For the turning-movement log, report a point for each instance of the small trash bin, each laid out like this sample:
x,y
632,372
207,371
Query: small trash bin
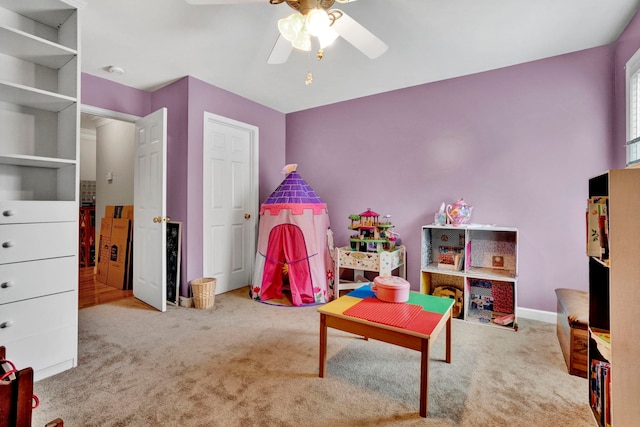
x,y
204,292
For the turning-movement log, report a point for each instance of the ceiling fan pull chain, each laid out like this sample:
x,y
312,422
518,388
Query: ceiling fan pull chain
x,y
309,78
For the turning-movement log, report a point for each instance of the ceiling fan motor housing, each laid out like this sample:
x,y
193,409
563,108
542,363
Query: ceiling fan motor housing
x,y
304,6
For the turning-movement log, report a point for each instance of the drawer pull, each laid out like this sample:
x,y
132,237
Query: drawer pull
x,y
8,244
6,285
8,212
5,325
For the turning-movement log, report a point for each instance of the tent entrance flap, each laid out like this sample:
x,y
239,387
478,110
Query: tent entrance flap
x,y
287,245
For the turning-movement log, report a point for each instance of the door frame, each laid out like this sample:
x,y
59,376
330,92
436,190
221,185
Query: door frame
x,y
105,114
108,114
254,191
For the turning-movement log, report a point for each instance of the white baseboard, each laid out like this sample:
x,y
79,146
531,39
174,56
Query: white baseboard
x,y
542,316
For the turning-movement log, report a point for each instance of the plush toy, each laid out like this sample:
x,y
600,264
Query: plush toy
x,y
453,293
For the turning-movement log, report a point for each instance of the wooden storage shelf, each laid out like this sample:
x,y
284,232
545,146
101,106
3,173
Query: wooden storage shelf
x,y
86,234
613,298
604,347
481,246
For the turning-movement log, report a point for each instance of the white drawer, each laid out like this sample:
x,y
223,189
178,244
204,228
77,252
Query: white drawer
x,y
42,334
23,211
48,354
24,280
26,242
37,316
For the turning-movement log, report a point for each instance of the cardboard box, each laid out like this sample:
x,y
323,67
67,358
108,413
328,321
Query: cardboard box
x,y
105,226
102,265
102,269
120,229
119,259
119,211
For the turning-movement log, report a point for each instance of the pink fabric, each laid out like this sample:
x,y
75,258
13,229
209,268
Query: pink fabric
x,y
295,208
286,244
502,297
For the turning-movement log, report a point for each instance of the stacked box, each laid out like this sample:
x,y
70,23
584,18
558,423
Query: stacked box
x,y
119,260
115,266
102,266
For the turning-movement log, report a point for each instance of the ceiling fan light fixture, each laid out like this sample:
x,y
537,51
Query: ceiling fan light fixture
x,y
291,26
327,37
317,21
303,41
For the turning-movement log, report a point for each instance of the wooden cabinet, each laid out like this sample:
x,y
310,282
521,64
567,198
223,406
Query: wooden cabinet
x,y
614,276
477,267
87,236
39,110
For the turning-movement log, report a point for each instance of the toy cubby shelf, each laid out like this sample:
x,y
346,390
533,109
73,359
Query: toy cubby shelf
x,y
475,265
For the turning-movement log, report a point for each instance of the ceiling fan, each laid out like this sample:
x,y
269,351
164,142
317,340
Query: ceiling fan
x,y
296,30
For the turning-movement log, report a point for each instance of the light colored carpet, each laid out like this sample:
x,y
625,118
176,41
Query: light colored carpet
x,y
244,363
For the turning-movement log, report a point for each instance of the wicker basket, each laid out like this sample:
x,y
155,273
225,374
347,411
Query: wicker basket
x,y
204,292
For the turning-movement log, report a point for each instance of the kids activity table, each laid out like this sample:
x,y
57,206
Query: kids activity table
x,y
412,325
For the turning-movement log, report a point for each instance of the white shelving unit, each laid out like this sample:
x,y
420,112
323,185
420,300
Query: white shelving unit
x,y
39,183
477,266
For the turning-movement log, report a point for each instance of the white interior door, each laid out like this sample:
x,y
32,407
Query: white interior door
x,y
149,231
230,201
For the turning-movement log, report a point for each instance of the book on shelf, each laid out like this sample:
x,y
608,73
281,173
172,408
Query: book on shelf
x,y
600,391
597,224
450,257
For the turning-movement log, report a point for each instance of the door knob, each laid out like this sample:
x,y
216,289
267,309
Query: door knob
x,y
6,324
247,216
6,285
157,219
8,244
166,219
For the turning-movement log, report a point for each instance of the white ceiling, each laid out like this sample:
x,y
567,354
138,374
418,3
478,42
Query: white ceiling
x,y
160,41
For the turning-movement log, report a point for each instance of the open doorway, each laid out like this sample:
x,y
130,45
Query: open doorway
x,y
106,179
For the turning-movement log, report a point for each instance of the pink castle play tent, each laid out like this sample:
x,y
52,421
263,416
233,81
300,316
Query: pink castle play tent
x,y
294,246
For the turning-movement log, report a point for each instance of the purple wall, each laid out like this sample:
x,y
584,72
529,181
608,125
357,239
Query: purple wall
x,y
186,101
518,143
205,97
113,96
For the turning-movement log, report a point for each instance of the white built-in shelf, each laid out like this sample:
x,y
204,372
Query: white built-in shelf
x,y
34,49
34,98
53,13
35,161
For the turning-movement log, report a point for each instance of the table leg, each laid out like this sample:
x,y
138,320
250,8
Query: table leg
x,y
323,345
424,378
448,337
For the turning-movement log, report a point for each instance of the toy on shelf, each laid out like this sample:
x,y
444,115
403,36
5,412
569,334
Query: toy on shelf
x,y
372,234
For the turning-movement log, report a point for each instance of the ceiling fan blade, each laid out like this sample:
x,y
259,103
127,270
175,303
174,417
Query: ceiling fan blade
x,y
280,52
221,2
361,38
